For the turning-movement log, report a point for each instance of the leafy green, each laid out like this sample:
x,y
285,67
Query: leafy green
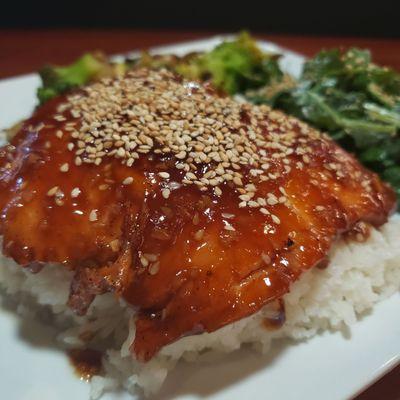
x,y
356,102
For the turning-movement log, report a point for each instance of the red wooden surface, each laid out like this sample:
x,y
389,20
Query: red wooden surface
x,y
25,51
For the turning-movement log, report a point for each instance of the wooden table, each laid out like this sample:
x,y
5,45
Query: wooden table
x,y
25,51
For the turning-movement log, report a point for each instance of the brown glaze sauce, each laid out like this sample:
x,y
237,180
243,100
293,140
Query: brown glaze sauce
x,y
197,276
276,317
360,232
86,362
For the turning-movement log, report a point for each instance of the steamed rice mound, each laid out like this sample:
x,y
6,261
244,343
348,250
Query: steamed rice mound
x,y
358,276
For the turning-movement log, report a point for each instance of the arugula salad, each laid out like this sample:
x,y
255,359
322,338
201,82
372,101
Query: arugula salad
x,y
340,92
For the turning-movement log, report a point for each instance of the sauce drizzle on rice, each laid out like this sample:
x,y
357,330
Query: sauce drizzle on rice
x,y
86,362
194,208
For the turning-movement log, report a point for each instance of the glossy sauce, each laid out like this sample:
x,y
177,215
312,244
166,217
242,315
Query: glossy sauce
x,y
86,362
276,317
173,258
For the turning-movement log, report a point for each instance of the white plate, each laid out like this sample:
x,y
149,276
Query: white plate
x,y
328,367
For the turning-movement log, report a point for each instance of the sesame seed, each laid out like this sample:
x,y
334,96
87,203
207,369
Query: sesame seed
x,y
200,130
199,234
93,216
229,227
59,202
127,181
217,191
181,155
59,134
266,258
164,175
244,197
196,219
121,152
275,219
75,113
165,193
151,257
52,191
272,201
237,181
75,192
78,161
251,188
227,215
261,201
115,245
64,167
144,261
154,268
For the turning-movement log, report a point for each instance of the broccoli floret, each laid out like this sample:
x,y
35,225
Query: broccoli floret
x,y
233,66
57,80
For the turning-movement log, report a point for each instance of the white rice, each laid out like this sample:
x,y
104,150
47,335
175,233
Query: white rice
x,y
358,276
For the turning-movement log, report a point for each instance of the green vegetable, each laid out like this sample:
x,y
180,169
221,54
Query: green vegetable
x,y
238,65
356,102
57,80
233,66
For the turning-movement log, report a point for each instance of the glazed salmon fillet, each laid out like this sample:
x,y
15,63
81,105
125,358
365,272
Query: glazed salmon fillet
x,y
195,209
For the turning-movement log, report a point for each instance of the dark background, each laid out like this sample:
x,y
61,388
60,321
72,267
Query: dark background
x,y
380,18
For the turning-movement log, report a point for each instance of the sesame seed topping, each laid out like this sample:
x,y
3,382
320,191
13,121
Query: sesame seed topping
x,y
264,211
151,257
127,181
199,234
149,113
78,161
75,192
272,201
64,167
144,261
165,193
52,191
275,219
217,191
115,245
228,216
228,226
266,258
93,216
154,268
164,175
